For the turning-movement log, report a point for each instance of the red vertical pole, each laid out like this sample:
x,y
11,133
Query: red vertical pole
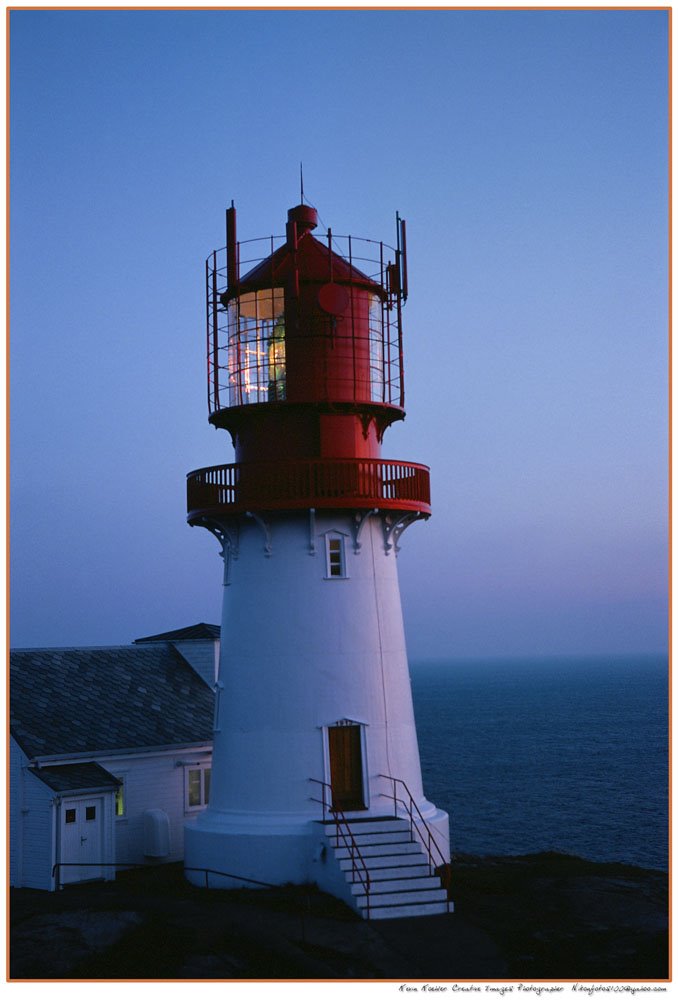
x,y
232,276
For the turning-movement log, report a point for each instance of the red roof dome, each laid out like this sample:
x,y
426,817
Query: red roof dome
x,y
315,262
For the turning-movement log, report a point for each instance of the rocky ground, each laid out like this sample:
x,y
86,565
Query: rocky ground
x,y
544,916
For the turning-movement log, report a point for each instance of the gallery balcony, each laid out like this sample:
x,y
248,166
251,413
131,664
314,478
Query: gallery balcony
x,y
296,485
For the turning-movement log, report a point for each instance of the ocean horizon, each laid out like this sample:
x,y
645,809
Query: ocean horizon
x,y
558,753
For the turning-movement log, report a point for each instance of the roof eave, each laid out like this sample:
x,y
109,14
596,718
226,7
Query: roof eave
x,y
85,790
44,759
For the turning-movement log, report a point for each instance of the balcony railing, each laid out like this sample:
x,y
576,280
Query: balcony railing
x,y
337,483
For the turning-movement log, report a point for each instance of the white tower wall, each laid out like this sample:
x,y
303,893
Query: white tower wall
x,y
302,651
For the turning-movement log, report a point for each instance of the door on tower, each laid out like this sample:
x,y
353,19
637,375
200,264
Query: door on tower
x,y
82,840
346,766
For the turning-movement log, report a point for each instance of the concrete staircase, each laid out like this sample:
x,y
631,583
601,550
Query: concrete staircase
x,y
400,879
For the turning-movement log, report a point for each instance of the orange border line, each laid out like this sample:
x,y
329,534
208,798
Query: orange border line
x,y
7,601
670,491
669,11
340,8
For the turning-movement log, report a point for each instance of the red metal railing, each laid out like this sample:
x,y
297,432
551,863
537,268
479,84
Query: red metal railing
x,y
359,870
342,483
421,831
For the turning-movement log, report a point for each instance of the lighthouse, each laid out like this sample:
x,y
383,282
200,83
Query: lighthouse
x,y
315,775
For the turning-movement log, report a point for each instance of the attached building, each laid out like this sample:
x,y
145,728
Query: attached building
x,y
110,754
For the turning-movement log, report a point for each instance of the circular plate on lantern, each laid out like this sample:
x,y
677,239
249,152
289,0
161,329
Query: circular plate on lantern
x,y
334,299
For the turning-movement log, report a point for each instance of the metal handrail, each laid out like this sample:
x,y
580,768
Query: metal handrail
x,y
353,849
238,878
430,839
58,865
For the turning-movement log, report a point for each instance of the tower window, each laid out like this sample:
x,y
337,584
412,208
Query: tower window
x,y
336,560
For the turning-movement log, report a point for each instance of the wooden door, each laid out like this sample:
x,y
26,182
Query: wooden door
x,y
346,767
82,828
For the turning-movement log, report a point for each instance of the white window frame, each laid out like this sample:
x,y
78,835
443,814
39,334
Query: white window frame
x,y
334,536
200,766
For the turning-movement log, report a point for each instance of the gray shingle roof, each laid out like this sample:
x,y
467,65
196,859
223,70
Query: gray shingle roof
x,y
76,777
200,631
85,700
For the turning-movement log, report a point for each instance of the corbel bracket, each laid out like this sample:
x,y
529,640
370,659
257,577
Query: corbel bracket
x,y
266,528
394,527
227,536
360,519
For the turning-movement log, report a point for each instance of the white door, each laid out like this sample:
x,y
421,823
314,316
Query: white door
x,y
82,840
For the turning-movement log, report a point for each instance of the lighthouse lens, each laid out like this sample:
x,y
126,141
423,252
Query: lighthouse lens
x,y
256,347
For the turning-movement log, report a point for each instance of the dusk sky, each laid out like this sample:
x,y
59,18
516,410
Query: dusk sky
x,y
527,151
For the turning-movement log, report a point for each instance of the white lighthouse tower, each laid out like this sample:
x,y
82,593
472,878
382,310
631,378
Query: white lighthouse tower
x,y
316,774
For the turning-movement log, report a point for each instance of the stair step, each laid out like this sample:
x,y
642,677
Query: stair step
x,y
385,824
385,861
378,886
377,850
366,839
397,898
409,910
391,864
392,872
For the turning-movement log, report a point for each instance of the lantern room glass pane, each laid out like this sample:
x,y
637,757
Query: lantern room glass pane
x,y
256,347
376,334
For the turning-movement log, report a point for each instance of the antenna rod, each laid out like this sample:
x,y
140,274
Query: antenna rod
x,y
301,178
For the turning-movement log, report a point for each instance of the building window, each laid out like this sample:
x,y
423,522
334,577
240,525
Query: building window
x,y
121,797
198,780
90,813
336,557
70,815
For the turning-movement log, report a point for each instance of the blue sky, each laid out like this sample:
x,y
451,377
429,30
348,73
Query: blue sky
x,y
528,153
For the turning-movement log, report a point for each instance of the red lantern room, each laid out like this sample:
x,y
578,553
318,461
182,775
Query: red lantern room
x,y
304,345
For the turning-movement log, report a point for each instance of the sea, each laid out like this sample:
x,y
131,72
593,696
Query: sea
x,y
559,754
